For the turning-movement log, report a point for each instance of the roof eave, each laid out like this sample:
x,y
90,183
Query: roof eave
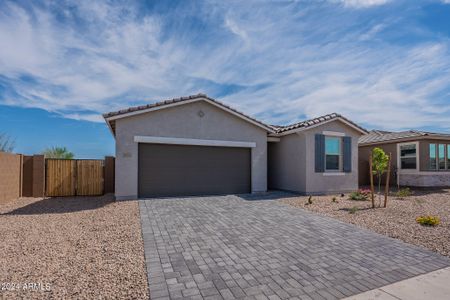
x,y
255,122
338,118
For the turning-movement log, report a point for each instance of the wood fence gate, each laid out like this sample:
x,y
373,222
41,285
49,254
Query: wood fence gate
x,y
74,177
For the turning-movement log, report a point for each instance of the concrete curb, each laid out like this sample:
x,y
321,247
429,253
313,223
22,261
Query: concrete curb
x,y
433,285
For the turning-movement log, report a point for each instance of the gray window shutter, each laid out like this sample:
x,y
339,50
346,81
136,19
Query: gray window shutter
x,y
320,153
347,154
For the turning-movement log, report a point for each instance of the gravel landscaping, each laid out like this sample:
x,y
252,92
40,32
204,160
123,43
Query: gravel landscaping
x,y
398,220
81,247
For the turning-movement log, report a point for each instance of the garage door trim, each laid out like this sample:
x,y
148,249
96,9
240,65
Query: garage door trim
x,y
192,142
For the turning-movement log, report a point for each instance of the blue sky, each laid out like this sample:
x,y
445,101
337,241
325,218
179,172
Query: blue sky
x,y
384,64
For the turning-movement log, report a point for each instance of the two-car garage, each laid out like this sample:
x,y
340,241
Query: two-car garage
x,y
189,170
187,146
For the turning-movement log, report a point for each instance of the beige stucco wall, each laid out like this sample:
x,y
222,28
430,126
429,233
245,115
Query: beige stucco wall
x,y
287,164
10,176
293,161
183,121
318,183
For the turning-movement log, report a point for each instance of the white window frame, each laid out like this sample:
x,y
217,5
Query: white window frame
x,y
399,164
341,154
436,158
447,156
438,168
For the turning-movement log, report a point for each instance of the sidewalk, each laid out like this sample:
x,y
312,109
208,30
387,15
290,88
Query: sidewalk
x,y
434,285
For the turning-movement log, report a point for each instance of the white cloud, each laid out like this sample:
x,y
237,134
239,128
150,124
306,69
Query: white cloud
x,y
363,3
233,27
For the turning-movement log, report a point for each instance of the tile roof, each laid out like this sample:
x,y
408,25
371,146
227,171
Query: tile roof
x,y
182,99
380,136
315,121
272,128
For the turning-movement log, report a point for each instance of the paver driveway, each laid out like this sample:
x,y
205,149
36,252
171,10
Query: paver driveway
x,y
228,247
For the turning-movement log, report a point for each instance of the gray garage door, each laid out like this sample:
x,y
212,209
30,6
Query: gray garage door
x,y
179,170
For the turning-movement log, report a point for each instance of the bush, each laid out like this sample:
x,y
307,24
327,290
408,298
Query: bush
x,y
428,220
360,195
402,193
309,201
353,210
334,199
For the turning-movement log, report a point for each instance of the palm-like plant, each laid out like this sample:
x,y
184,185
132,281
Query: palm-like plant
x,y
58,152
6,143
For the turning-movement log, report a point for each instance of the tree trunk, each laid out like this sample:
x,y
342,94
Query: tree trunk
x,y
379,189
388,176
371,180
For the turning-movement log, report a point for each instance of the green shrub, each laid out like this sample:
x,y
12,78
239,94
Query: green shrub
x,y
402,193
334,199
360,195
428,220
353,210
420,201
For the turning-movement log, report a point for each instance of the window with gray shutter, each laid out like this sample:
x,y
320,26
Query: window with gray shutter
x,y
319,153
347,160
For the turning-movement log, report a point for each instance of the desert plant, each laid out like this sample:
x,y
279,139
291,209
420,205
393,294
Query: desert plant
x,y
353,210
402,193
359,195
58,152
6,143
380,162
309,201
420,201
428,220
334,199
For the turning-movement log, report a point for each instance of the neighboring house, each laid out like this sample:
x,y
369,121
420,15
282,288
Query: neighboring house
x,y
419,158
197,146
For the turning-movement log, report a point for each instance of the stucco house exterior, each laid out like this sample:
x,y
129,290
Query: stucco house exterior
x,y
419,158
196,145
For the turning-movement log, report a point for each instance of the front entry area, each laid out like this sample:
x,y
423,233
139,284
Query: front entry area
x,y
185,170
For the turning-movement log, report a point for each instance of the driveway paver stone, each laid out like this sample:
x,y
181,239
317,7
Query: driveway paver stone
x,y
231,247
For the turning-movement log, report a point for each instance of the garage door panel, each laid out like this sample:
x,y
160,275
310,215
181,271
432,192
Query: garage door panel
x,y
174,170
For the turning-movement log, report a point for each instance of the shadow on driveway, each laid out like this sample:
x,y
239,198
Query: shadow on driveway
x,y
59,205
270,195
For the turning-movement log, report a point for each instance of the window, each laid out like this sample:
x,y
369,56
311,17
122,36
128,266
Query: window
x,y
332,153
408,156
433,164
441,156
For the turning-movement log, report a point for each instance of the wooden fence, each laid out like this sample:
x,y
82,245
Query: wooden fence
x,y
74,177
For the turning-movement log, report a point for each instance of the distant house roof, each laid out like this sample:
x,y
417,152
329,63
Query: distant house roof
x,y
274,129
381,136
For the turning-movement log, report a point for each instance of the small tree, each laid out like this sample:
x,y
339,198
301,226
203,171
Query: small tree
x,y
6,143
58,152
380,162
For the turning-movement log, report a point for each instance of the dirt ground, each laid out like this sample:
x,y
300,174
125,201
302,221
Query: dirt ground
x,y
398,220
81,247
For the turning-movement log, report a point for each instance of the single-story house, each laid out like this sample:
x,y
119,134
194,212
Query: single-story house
x,y
196,145
419,158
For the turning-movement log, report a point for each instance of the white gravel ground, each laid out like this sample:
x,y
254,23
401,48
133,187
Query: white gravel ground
x,y
398,220
83,248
